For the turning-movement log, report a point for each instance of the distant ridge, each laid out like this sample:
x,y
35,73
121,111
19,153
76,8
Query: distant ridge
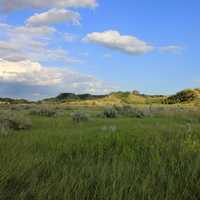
x,y
134,97
13,101
72,96
111,99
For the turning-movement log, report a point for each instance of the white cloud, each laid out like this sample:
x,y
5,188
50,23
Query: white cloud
x,y
47,80
171,49
54,16
33,43
126,43
24,31
114,40
28,72
11,5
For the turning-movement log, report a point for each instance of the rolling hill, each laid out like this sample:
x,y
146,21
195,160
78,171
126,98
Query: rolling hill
x,y
115,98
187,96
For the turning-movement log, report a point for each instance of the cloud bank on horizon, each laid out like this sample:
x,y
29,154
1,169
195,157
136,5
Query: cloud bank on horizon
x,y
30,51
30,74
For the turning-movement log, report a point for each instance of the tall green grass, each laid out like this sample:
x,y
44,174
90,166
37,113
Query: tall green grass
x,y
155,157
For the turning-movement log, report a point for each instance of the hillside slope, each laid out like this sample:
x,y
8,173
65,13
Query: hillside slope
x,y
185,96
115,98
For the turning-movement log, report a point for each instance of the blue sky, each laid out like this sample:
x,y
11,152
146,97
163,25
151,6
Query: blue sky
x,y
167,30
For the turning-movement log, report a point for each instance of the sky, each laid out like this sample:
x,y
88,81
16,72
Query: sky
x,y
49,47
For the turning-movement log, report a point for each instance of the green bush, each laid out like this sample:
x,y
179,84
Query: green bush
x,y
20,107
124,110
44,111
12,121
110,112
130,111
78,117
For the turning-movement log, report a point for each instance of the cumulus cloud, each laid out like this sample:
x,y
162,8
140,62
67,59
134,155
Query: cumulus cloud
x,y
126,43
54,16
45,80
12,5
33,43
24,31
28,72
113,39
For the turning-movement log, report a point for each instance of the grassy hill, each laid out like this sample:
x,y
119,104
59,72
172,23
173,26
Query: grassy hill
x,y
63,97
13,101
115,98
185,96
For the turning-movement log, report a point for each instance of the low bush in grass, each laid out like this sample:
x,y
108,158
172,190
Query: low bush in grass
x,y
79,116
125,110
20,107
130,111
110,112
13,121
44,111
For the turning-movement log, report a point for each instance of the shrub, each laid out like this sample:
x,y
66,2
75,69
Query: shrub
x,y
12,121
20,107
44,111
137,113
130,111
110,112
78,117
124,110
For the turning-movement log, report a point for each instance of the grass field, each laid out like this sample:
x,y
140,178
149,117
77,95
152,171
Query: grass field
x,y
125,158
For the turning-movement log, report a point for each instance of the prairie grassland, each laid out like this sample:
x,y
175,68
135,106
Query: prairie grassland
x,y
155,156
